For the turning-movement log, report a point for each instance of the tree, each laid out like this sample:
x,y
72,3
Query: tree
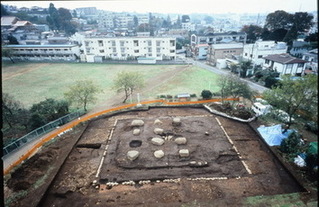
x,y
12,40
206,94
301,23
46,111
244,66
143,28
3,11
178,23
253,32
53,18
135,19
128,82
6,52
291,145
293,95
65,21
277,35
233,86
10,110
312,37
82,93
278,20
208,19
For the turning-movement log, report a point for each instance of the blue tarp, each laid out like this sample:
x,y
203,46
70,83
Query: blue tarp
x,y
273,135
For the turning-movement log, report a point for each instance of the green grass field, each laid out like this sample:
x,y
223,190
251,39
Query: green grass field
x,y
31,83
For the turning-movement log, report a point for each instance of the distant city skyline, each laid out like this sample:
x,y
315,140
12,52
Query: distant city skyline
x,y
180,6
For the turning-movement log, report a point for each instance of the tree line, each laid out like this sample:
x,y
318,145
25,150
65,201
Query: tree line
x,y
281,26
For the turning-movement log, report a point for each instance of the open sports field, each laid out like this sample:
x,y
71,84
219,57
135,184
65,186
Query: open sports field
x,y
31,83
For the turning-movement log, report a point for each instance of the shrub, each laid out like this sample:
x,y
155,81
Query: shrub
x,y
193,95
206,94
291,145
169,96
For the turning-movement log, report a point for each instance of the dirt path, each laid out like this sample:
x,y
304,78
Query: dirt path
x,y
7,75
150,85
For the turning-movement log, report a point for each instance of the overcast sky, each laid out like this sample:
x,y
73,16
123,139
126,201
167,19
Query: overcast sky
x,y
181,6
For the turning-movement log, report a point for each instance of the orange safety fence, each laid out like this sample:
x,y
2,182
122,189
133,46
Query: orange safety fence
x,y
87,117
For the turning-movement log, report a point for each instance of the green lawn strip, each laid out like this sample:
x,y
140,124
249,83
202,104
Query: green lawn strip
x,y
193,80
281,200
51,81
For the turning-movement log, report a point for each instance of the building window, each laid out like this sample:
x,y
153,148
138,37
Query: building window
x,y
158,50
267,61
114,49
136,51
101,51
149,43
260,56
135,43
245,53
158,43
100,42
122,43
289,66
150,49
300,65
172,43
113,43
172,51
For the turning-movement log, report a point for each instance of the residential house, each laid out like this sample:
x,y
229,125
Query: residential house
x,y
284,64
21,30
217,38
299,47
223,51
255,52
312,58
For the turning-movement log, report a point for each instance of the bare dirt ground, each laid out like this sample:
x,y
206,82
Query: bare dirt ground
x,y
230,180
149,85
16,72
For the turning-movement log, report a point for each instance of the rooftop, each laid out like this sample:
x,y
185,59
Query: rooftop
x,y
284,59
227,46
37,46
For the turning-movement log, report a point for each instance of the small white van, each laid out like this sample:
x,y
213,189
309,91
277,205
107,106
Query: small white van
x,y
261,109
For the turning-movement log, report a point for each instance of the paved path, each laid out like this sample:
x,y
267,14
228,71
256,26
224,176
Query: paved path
x,y
15,155
252,85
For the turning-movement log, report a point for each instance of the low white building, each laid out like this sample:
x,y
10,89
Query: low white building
x,y
44,52
201,52
284,64
255,52
130,48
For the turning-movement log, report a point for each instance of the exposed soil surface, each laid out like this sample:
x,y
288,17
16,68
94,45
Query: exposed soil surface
x,y
227,109
253,171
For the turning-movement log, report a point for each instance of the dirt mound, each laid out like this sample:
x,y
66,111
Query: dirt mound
x,y
226,108
25,176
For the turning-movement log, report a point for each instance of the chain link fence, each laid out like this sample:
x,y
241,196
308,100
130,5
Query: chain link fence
x,y
40,131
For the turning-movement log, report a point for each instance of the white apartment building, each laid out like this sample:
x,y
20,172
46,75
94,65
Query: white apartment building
x,y
255,52
188,26
143,18
123,20
44,52
129,48
105,20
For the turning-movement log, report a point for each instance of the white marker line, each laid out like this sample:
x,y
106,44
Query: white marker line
x,y
245,165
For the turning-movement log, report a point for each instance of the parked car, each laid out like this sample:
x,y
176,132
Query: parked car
x,y
282,116
312,126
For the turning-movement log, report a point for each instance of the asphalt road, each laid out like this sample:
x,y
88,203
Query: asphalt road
x,y
252,85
